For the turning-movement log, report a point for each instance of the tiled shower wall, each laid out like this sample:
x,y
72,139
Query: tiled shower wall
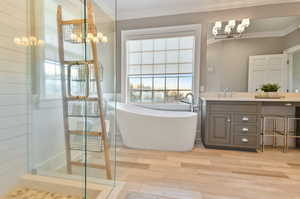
x,y
14,114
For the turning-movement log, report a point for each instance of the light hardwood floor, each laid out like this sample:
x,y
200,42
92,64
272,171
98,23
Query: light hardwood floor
x,y
209,174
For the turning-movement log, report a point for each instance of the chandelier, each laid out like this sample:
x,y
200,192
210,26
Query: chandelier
x,y
28,41
233,29
98,37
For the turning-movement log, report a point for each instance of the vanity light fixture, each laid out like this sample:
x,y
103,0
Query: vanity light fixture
x,y
233,29
231,24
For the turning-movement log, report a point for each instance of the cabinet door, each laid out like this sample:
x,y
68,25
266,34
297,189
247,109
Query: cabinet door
x,y
268,69
218,132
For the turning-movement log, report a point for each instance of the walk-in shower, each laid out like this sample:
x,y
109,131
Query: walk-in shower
x,y
57,132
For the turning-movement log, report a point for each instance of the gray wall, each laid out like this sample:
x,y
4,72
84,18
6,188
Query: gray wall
x,y
288,9
229,60
292,39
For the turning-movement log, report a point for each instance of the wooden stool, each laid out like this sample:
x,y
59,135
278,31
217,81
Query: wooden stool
x,y
274,133
291,131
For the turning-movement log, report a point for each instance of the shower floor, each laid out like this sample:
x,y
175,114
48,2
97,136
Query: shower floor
x,y
46,187
28,193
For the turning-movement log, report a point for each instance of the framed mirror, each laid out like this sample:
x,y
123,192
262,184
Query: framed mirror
x,y
242,55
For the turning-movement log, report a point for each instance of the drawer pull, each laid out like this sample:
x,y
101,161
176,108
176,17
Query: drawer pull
x,y
245,129
245,140
245,119
288,104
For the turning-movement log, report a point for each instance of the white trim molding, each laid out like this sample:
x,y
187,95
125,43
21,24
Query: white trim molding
x,y
292,50
171,31
187,7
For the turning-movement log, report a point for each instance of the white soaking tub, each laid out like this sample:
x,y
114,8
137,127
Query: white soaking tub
x,y
144,128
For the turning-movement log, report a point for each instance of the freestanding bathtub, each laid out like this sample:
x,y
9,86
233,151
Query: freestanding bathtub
x,y
144,128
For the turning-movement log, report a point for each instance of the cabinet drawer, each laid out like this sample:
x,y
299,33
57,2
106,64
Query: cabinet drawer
x,y
243,108
244,118
245,141
240,129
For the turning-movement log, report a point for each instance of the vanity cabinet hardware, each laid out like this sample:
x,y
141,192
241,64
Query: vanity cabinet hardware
x,y
245,119
244,140
288,104
228,120
245,129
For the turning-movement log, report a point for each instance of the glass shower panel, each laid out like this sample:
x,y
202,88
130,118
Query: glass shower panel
x,y
105,154
53,142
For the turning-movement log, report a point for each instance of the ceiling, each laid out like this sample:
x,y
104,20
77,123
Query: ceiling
x,y
128,9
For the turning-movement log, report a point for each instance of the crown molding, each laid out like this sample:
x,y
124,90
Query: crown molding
x,y
106,9
192,8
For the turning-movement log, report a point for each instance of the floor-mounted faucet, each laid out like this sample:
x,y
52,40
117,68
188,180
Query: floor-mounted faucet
x,y
191,103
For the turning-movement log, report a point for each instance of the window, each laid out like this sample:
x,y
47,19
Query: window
x,y
160,70
52,82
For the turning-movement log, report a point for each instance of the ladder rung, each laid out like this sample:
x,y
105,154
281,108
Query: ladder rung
x,y
90,151
74,98
91,165
86,133
81,62
90,116
73,21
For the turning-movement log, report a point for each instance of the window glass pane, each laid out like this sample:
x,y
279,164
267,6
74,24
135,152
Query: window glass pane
x,y
171,96
135,96
159,44
147,45
49,69
159,83
172,68
159,57
134,83
172,43
52,87
187,42
147,96
185,68
147,69
159,69
172,56
52,79
147,58
159,96
147,83
134,58
134,69
182,94
165,66
186,56
171,83
134,46
185,82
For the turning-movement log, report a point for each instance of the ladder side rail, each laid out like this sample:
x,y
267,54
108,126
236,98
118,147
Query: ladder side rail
x,y
91,27
63,88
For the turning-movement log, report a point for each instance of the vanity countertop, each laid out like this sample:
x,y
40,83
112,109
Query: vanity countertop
x,y
248,97
239,99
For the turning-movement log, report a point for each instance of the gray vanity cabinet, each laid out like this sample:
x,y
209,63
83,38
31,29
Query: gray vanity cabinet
x,y
231,125
219,128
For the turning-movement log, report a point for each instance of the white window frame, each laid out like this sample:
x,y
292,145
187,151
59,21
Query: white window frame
x,y
171,31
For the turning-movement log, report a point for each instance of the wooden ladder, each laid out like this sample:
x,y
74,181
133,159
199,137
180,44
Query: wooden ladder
x,y
89,66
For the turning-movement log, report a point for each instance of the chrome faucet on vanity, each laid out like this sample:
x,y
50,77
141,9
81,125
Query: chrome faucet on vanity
x,y
191,103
